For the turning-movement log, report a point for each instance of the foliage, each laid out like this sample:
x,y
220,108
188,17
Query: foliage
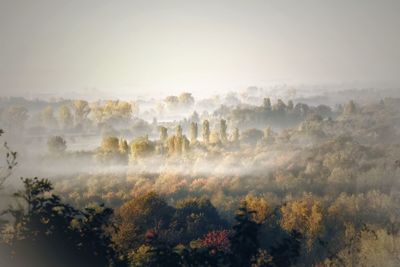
x,y
56,144
10,162
65,117
42,221
244,240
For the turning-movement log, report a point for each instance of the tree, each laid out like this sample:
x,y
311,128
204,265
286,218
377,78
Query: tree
x,y
97,109
280,106
269,136
81,110
117,111
244,241
260,208
113,150
179,131
178,144
290,105
48,232
206,131
10,162
235,136
193,133
112,111
185,144
251,136
163,134
214,138
154,253
135,108
172,102
267,104
65,117
195,217
301,109
123,146
286,252
142,147
195,117
324,111
186,100
217,240
349,108
223,128
56,145
47,117
136,217
171,145
304,216
110,144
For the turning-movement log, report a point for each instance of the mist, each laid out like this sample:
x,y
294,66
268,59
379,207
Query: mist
x,y
213,133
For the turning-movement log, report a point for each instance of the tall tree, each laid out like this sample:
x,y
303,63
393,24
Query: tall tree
x,y
65,117
193,132
206,131
81,110
47,117
244,241
163,134
222,131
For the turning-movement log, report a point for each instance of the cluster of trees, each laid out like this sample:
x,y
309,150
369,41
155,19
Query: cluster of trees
x,y
43,230
179,143
70,115
80,115
176,103
321,193
146,231
280,114
329,188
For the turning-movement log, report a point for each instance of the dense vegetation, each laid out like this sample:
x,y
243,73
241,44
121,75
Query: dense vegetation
x,y
279,184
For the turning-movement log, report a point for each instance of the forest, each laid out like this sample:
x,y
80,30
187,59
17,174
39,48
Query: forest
x,y
237,180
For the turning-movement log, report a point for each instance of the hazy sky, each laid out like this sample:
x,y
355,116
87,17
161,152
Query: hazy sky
x,y
141,46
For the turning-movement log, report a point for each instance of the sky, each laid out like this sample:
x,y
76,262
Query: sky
x,y
158,46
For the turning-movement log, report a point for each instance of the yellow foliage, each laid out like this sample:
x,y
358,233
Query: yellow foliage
x,y
260,206
305,216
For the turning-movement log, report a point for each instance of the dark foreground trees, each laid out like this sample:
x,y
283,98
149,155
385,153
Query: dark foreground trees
x,y
43,231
